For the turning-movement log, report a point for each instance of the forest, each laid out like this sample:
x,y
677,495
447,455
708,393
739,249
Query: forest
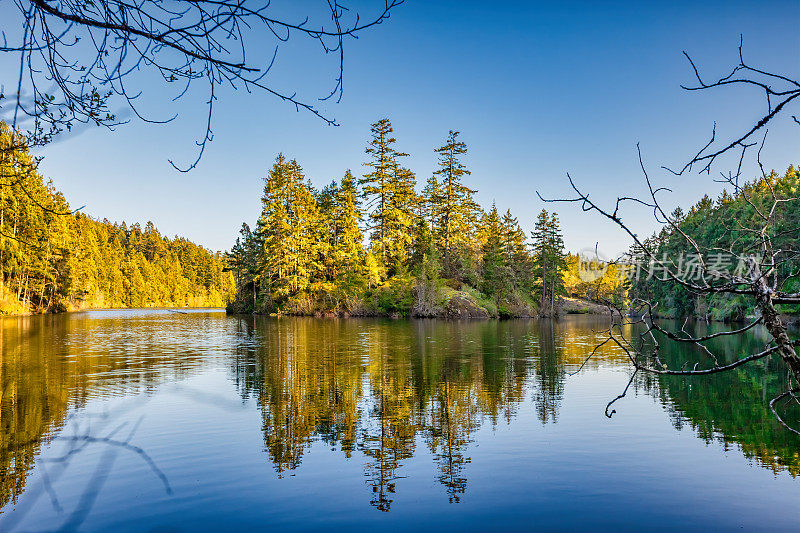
x,y
369,245
377,244
53,258
720,226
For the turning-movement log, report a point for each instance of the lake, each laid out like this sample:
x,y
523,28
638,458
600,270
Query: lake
x,y
132,420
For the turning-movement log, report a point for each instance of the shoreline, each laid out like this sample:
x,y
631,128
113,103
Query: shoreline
x,y
456,309
569,307
86,309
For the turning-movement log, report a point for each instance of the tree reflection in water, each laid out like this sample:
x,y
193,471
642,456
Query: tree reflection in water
x,y
380,387
377,390
732,408
51,366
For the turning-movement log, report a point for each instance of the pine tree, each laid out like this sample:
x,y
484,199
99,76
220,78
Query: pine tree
x,y
495,271
53,259
375,270
549,260
515,250
346,250
452,205
558,258
388,189
243,261
423,248
430,201
539,246
274,228
329,232
401,217
289,228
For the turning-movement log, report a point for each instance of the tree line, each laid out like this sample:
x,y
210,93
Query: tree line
x,y
375,244
53,259
723,226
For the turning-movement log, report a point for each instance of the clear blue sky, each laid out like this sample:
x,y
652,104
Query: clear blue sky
x,y
537,90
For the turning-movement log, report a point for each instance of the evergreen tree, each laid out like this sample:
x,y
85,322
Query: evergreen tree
x,y
431,198
387,191
453,209
401,218
243,260
346,251
423,249
515,250
288,227
496,274
53,259
549,261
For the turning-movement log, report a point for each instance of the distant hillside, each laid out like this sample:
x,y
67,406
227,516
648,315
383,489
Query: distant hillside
x,y
726,224
54,260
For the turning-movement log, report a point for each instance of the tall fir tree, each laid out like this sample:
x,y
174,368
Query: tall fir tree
x,y
431,197
288,228
495,271
549,261
391,199
515,249
347,249
453,208
377,184
401,218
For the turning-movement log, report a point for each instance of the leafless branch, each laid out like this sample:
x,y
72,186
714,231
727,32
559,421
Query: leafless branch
x,y
764,277
77,60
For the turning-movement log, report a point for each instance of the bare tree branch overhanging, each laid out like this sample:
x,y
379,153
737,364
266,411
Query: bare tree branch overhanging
x,y
77,57
639,330
777,97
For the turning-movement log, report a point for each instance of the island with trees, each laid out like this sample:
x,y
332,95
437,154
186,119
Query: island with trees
x,y
379,245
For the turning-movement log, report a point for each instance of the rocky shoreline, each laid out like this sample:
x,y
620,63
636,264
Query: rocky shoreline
x,y
459,306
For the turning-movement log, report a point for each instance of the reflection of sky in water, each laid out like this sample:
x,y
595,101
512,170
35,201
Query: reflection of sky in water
x,y
198,421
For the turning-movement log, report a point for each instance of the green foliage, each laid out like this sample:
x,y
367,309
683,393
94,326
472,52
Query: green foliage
x,y
341,218
393,297
591,279
496,272
451,209
391,198
549,261
430,254
288,233
52,259
516,254
723,224
734,307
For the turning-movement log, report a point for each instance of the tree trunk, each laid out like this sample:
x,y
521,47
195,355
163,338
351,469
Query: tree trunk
x,y
544,283
772,320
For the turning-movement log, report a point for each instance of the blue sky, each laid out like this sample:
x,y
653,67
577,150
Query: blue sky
x,y
536,89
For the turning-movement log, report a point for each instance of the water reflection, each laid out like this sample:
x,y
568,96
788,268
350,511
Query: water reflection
x,y
731,408
382,388
379,392
385,387
50,366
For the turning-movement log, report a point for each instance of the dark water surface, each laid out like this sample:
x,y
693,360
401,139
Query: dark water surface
x,y
156,420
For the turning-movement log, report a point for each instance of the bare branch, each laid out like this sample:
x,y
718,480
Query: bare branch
x,y
78,59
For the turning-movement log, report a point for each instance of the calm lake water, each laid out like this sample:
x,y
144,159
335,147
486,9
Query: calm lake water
x,y
194,421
